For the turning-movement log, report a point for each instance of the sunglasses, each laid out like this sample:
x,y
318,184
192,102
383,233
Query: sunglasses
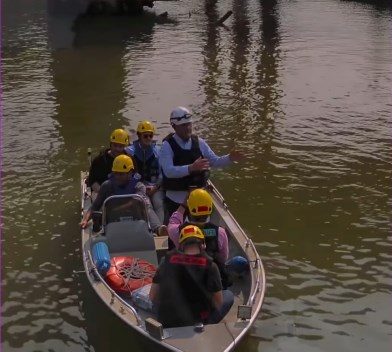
x,y
186,116
147,135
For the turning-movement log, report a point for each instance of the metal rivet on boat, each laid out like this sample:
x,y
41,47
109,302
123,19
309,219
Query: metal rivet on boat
x,y
112,299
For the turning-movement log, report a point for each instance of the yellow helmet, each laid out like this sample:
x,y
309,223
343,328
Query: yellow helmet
x,y
145,126
199,202
190,231
122,163
119,136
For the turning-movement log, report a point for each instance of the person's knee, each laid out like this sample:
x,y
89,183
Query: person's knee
x,y
228,298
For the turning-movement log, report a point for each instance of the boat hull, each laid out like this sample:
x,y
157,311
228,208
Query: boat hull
x,y
217,337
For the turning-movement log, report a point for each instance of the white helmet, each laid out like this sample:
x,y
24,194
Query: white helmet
x,y
180,116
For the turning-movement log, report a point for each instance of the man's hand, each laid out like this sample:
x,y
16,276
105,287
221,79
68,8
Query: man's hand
x,y
151,190
236,155
95,187
199,165
84,223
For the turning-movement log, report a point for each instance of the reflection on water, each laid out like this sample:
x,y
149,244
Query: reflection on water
x,y
246,94
211,51
89,76
267,67
302,87
239,69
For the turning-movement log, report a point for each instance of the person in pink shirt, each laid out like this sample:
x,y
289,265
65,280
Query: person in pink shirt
x,y
197,212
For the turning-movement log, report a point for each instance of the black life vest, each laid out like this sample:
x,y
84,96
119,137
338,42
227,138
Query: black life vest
x,y
185,157
184,299
146,162
211,234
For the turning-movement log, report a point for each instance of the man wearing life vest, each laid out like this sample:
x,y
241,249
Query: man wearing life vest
x,y
123,181
187,287
145,154
186,160
197,212
101,166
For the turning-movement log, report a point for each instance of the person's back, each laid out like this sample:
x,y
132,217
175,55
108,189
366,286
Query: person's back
x,y
186,287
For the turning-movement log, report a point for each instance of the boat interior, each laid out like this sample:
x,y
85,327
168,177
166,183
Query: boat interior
x,y
126,231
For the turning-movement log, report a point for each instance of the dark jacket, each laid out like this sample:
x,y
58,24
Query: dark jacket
x,y
186,284
100,168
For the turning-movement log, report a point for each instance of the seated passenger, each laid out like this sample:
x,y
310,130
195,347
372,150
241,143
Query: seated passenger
x,y
101,166
145,154
197,212
123,181
186,288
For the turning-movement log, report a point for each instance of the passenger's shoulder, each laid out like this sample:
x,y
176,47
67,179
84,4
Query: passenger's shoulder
x,y
101,155
214,270
222,231
130,150
209,258
156,148
106,185
169,136
165,147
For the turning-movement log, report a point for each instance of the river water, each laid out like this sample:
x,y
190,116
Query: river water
x,y
302,87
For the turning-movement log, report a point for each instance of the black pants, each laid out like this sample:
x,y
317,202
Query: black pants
x,y
170,208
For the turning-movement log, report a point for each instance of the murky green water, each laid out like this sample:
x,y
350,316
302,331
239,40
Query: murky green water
x,y
303,87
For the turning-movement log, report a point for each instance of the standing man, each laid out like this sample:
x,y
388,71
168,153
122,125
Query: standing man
x,y
186,160
101,166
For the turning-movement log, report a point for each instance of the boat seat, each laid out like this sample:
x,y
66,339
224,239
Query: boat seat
x,y
131,238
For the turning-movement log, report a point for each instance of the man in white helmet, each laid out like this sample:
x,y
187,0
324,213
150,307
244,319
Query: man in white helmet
x,y
186,160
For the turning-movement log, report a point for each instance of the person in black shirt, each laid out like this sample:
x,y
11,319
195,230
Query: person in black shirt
x,y
101,166
187,287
